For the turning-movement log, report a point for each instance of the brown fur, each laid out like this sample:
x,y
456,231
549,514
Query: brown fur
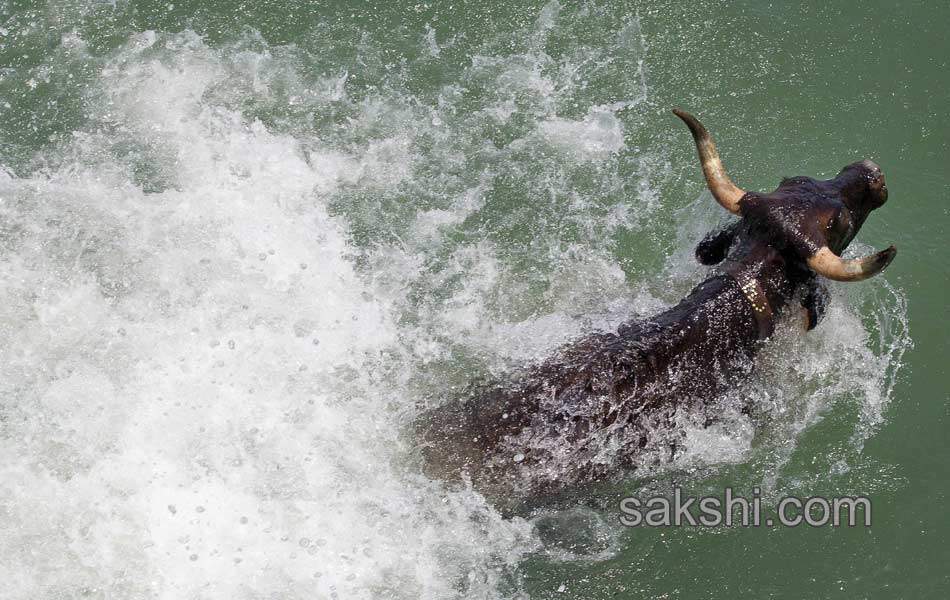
x,y
589,411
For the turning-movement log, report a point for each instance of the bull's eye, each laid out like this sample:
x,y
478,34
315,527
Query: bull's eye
x,y
841,222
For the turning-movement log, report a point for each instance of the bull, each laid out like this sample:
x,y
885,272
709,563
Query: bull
x,y
586,413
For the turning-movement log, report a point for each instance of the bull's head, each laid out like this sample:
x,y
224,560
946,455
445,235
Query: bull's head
x,y
808,222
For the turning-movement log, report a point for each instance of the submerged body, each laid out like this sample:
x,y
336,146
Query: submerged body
x,y
597,404
591,408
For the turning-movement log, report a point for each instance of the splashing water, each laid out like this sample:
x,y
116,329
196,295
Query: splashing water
x,y
228,291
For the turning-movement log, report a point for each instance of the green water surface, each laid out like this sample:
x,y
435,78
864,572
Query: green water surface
x,y
786,87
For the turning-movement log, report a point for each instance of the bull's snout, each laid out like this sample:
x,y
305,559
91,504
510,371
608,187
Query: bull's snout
x,y
878,187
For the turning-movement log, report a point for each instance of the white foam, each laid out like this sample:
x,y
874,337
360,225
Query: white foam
x,y
597,136
206,375
197,405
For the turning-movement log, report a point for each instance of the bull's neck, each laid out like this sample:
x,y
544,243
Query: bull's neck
x,y
765,286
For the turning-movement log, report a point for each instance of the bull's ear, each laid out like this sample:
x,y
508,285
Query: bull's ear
x,y
714,248
814,300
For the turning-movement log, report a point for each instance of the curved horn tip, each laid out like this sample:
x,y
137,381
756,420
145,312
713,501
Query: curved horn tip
x,y
886,256
689,119
879,261
726,193
827,263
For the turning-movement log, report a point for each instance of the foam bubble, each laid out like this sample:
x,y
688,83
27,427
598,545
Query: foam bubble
x,y
194,413
230,289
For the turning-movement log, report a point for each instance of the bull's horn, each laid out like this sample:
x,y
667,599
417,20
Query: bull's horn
x,y
827,263
723,190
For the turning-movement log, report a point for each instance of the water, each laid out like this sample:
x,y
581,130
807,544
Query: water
x,y
241,248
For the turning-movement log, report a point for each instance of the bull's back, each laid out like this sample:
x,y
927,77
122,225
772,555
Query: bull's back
x,y
592,408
